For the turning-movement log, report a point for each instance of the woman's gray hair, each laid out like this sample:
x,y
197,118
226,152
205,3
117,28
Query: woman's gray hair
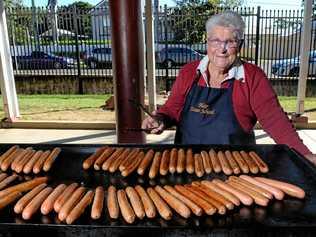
x,y
227,19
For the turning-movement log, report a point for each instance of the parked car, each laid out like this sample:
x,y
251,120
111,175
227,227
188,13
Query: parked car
x,y
172,56
42,60
291,66
99,58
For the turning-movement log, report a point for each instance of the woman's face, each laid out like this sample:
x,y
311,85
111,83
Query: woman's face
x,y
222,47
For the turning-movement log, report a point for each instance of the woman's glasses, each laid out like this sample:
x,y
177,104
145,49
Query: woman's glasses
x,y
216,43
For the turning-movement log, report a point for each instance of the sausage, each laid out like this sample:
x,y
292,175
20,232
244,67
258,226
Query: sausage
x,y
91,159
108,162
131,156
232,162
189,161
48,204
77,211
8,199
17,154
153,171
215,195
207,207
112,204
20,157
194,208
51,159
3,176
250,162
242,196
215,162
198,165
40,162
257,197
60,201
125,207
145,162
164,164
35,204
4,183
288,188
206,162
134,164
135,202
174,202
71,203
106,154
29,165
224,163
8,152
262,191
263,167
202,194
181,161
22,203
173,160
148,204
20,165
162,207
276,192
23,187
241,162
115,164
212,186
98,202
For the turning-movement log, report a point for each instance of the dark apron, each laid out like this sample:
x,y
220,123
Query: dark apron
x,y
208,118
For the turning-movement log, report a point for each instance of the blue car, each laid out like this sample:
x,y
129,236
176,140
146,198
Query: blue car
x,y
291,66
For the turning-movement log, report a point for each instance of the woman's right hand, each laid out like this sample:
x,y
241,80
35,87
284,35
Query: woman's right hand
x,y
153,124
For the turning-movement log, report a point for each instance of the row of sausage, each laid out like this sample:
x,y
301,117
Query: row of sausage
x,y
129,160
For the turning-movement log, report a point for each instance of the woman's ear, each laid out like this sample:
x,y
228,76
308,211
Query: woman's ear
x,y
241,42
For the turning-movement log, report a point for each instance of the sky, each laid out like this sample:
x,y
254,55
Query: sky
x,y
265,4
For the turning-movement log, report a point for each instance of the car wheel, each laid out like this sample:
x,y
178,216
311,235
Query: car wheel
x,y
57,65
168,63
294,72
93,64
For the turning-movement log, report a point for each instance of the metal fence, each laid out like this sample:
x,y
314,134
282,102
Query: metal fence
x,y
77,42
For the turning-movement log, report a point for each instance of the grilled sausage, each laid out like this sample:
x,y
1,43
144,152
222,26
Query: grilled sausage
x,y
145,162
8,199
106,154
131,156
40,162
198,165
4,183
115,164
153,171
35,204
232,162
135,202
224,163
3,176
60,201
48,204
98,202
22,203
91,159
250,162
215,162
206,162
20,157
164,164
108,162
51,159
173,160
125,207
162,207
181,161
29,165
263,167
189,161
241,162
17,154
7,153
20,165
112,204
149,206
133,166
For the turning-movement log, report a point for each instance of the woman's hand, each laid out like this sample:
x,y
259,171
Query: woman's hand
x,y
311,158
153,124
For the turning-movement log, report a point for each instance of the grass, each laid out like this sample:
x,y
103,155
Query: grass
x,y
85,107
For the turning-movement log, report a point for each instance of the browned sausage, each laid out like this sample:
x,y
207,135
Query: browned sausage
x,y
60,201
194,208
250,162
51,159
8,199
40,162
232,162
131,156
173,160
162,207
134,164
23,187
7,153
3,176
149,207
20,157
103,157
91,159
206,162
20,165
17,154
263,167
112,204
241,162
77,211
22,203
181,161
145,162
164,164
108,162
48,205
189,161
198,165
173,202
4,183
154,168
135,202
215,162
98,202
71,203
115,164
125,207
35,204
29,165
224,163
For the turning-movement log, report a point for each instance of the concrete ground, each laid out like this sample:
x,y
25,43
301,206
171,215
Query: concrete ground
x,y
63,136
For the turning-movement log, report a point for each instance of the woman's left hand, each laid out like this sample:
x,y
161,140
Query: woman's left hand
x,y
311,158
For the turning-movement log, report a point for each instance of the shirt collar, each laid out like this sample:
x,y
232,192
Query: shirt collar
x,y
237,71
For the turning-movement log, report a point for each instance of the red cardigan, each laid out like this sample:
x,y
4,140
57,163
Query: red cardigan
x,y
253,100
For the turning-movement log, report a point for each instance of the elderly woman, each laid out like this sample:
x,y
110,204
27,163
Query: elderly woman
x,y
219,99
